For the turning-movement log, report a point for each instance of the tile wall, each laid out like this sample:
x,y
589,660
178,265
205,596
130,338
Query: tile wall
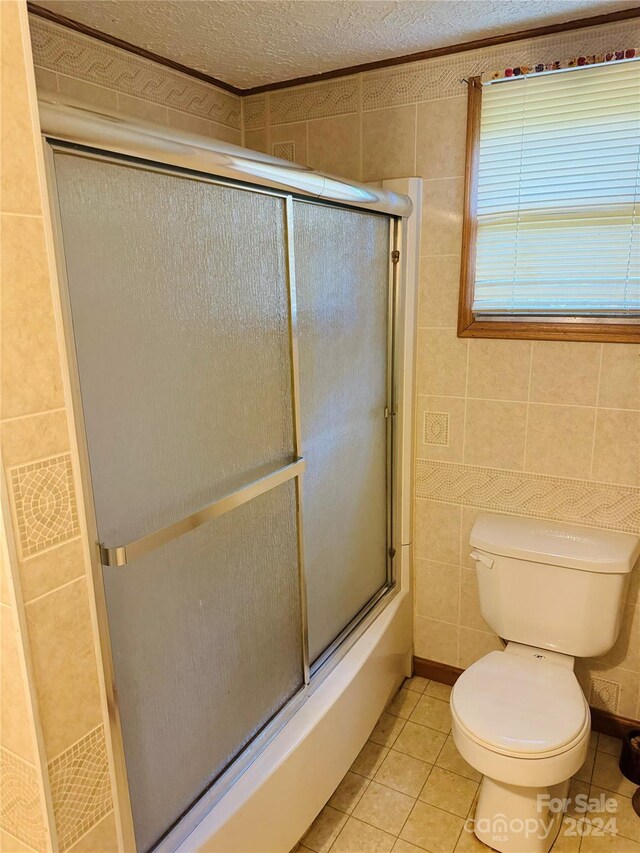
x,y
56,789
98,74
544,429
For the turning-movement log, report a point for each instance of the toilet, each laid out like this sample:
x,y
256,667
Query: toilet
x,y
552,592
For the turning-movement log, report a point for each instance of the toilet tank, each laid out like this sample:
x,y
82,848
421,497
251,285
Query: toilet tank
x,y
555,586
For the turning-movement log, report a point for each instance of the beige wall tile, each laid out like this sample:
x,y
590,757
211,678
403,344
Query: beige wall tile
x,y
559,440
88,93
53,568
296,133
388,140
499,370
437,534
46,81
470,615
334,146
442,217
31,378
15,721
495,434
565,372
188,122
474,645
224,133
139,108
441,420
437,586
442,363
256,140
101,839
64,667
435,641
34,437
626,651
19,182
616,452
439,289
441,138
620,376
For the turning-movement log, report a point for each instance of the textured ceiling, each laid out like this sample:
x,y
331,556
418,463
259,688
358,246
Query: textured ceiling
x,y
253,42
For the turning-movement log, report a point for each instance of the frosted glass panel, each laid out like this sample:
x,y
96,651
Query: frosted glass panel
x,y
342,260
179,302
206,642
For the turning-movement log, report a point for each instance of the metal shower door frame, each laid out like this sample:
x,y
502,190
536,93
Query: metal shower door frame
x,y
101,555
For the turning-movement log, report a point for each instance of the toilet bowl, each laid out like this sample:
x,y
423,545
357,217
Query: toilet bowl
x,y
520,718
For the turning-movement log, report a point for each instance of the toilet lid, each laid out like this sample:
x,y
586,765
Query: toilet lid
x,y
521,705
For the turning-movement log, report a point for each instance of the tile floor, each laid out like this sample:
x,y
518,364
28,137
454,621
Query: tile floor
x,y
409,790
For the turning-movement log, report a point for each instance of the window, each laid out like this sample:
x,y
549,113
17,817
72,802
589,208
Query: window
x,y
551,238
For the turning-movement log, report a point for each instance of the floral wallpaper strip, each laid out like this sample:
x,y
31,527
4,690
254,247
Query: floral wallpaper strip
x,y
557,65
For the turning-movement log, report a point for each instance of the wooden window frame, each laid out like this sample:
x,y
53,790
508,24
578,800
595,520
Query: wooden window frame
x,y
562,328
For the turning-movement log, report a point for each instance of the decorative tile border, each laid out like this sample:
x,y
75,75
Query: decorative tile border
x,y
316,100
45,503
436,428
20,806
579,501
444,78
254,112
284,150
67,52
80,787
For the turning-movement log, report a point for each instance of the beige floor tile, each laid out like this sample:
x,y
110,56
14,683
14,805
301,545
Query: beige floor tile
x,y
438,691
586,771
359,837
416,683
608,844
576,787
626,819
433,713
384,808
449,791
568,840
451,759
432,829
469,842
404,847
403,773
403,703
348,793
387,729
369,759
610,745
606,774
420,742
324,830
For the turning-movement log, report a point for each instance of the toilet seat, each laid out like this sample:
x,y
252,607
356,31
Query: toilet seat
x,y
520,706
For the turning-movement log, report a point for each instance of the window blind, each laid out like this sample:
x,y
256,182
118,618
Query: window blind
x,y
558,194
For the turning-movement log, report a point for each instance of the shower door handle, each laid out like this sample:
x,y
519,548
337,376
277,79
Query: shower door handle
x,y
120,555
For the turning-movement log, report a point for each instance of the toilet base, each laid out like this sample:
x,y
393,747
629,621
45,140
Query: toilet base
x,y
512,819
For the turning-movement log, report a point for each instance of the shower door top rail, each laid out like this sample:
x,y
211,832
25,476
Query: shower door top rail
x,y
70,121
120,555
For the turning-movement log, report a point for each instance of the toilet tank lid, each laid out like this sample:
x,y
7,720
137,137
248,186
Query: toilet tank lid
x,y
557,544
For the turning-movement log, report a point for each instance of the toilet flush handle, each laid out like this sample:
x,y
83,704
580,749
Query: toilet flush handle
x,y
477,557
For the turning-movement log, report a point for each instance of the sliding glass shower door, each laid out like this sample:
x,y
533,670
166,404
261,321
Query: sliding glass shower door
x,y
232,352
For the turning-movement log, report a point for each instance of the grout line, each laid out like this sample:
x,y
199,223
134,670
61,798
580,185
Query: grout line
x,y
31,414
51,591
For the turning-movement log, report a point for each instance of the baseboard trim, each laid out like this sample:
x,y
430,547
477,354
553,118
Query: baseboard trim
x,y
601,721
